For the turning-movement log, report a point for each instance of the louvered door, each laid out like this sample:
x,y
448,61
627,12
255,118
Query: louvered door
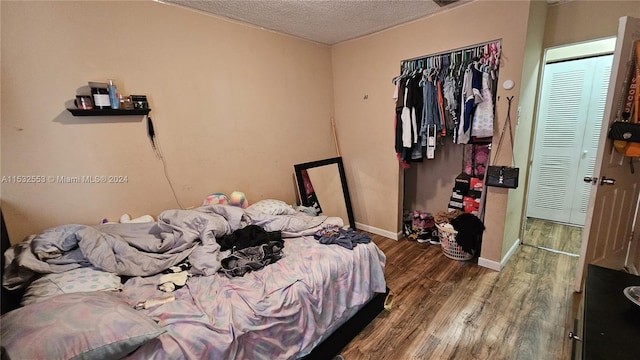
x,y
572,99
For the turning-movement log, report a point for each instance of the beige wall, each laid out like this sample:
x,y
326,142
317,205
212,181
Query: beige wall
x,y
375,176
366,66
523,118
582,20
235,107
565,23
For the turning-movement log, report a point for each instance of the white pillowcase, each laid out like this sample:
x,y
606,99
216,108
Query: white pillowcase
x,y
273,207
83,279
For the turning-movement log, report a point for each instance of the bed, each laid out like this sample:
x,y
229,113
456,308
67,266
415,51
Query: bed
x,y
307,303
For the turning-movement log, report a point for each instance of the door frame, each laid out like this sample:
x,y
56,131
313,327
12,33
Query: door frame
x,y
584,133
566,52
611,254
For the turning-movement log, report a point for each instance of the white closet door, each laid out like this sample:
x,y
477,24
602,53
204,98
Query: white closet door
x,y
569,121
600,87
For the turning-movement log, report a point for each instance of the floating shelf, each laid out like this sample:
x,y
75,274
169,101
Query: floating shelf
x,y
108,112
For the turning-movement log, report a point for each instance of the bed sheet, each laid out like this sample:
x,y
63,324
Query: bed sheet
x,y
279,312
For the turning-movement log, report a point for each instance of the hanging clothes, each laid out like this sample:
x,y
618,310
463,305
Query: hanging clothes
x,y
451,92
467,108
482,125
431,112
448,94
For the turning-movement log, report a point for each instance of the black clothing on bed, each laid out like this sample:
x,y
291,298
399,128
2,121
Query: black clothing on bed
x,y
249,236
251,258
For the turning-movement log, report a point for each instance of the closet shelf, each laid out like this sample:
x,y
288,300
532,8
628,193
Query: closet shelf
x,y
108,112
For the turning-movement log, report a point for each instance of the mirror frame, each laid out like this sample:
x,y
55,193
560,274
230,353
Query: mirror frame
x,y
343,180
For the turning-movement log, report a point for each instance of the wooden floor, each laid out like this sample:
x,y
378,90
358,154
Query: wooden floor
x,y
446,309
553,235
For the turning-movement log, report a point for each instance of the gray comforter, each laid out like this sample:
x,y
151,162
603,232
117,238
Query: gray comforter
x,y
142,249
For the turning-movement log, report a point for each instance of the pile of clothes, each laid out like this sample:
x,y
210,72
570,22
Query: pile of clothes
x,y
469,229
252,248
347,238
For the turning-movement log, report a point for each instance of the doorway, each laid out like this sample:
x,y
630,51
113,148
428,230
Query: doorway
x,y
572,97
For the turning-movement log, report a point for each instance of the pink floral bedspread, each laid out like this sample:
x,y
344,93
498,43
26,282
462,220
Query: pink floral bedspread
x,y
279,312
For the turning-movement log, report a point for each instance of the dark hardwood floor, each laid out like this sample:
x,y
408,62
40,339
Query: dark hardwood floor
x,y
447,309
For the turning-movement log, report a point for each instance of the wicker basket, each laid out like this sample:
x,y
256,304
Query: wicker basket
x,y
450,247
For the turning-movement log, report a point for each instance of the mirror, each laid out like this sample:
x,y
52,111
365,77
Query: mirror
x,y
322,185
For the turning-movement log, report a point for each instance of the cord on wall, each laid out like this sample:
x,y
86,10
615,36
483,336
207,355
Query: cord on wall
x,y
155,144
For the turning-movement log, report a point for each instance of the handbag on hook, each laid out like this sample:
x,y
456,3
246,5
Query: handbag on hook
x,y
502,176
499,175
625,130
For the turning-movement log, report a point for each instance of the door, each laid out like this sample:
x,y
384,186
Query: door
x,y
572,100
611,212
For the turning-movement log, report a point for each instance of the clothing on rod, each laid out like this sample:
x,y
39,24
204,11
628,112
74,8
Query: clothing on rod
x,y
446,95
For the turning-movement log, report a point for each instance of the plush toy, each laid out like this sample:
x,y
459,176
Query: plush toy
x,y
238,198
125,218
216,199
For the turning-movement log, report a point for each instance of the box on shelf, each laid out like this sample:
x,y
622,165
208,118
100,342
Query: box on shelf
x,y
476,184
462,182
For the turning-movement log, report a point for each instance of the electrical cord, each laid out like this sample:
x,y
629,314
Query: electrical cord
x,y
155,144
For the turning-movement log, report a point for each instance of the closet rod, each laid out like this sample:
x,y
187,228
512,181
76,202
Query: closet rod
x,y
452,51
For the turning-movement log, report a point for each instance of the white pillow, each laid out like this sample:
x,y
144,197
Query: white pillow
x,y
83,279
273,207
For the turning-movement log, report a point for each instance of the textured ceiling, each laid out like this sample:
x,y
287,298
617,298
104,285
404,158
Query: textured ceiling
x,y
327,22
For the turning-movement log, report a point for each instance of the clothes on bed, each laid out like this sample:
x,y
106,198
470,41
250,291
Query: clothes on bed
x,y
252,248
347,238
146,248
252,258
249,236
279,312
173,281
175,277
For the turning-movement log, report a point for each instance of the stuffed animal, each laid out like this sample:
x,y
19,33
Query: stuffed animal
x,y
216,199
238,198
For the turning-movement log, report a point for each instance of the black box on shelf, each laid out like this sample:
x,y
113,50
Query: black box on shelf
x,y
139,101
462,182
458,194
455,203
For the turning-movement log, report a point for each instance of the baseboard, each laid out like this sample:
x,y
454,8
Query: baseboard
x,y
377,231
497,266
510,253
489,264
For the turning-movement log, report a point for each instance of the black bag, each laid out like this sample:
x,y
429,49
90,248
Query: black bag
x,y
502,176
498,175
627,131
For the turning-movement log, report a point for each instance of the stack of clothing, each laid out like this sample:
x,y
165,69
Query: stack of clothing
x,y
252,248
347,238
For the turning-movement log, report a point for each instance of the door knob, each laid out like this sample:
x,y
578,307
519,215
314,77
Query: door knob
x,y
589,179
607,181
574,337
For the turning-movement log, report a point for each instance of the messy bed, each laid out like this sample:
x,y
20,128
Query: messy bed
x,y
215,282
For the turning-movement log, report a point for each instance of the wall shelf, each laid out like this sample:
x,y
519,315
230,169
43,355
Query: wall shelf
x,y
108,112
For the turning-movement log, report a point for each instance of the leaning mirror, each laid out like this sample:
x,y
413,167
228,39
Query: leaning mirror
x,y
322,185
